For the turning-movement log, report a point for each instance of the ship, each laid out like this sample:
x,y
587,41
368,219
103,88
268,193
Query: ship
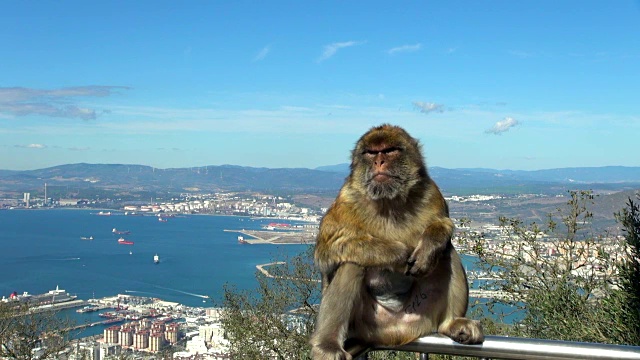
x,y
120,232
161,219
52,297
104,213
89,308
123,241
279,225
86,238
241,240
156,259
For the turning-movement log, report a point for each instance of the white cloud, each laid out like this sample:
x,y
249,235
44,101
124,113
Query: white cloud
x,y
404,49
502,126
295,108
19,101
332,49
428,107
263,53
521,54
31,146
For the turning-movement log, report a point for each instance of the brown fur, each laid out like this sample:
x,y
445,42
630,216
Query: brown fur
x,y
389,271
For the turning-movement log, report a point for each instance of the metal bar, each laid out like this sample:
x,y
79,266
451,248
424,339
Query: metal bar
x,y
520,348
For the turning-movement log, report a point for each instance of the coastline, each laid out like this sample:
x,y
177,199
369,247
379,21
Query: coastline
x,y
120,212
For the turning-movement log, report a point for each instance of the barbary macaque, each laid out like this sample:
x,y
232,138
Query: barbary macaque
x,y
389,271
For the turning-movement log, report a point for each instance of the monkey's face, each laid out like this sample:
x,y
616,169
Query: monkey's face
x,y
383,177
386,162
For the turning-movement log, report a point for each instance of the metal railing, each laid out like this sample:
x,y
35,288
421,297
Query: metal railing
x,y
501,347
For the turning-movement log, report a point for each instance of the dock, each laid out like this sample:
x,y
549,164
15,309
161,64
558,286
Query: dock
x,y
59,306
102,322
277,237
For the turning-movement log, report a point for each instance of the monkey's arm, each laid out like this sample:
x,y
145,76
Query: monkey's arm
x,y
436,237
341,241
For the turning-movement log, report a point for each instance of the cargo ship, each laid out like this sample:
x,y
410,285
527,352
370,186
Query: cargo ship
x,y
124,242
120,232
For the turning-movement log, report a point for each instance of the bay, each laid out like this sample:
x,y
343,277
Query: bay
x,y
42,249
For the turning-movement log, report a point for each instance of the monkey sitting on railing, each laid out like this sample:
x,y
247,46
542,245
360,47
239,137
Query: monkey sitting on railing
x,y
389,271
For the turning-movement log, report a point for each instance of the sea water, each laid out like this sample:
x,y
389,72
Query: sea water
x,y
42,249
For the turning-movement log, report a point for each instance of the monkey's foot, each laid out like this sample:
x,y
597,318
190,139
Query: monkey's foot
x,y
464,331
329,352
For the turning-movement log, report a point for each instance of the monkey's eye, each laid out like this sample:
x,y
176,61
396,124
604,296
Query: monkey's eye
x,y
391,150
385,151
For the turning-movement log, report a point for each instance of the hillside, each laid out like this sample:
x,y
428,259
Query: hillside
x,y
324,180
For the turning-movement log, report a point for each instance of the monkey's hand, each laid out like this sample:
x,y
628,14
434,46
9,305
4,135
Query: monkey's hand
x,y
423,259
435,241
365,251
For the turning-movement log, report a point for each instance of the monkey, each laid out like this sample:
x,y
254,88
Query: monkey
x,y
390,273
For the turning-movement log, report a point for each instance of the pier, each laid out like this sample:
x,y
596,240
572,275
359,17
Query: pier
x,y
59,306
269,275
277,237
103,322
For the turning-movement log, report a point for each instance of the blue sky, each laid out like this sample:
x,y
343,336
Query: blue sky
x,y
496,84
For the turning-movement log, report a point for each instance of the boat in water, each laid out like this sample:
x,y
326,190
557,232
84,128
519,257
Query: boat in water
x,y
123,241
161,219
241,240
120,232
156,259
89,308
52,297
86,238
104,213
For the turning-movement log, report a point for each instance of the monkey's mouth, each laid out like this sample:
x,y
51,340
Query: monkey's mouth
x,y
381,177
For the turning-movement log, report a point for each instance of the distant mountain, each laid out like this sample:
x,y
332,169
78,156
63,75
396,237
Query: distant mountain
x,y
146,178
586,175
340,168
604,174
483,180
325,179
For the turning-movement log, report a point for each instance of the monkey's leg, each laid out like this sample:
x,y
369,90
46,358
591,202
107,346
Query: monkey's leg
x,y
463,330
456,326
336,308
